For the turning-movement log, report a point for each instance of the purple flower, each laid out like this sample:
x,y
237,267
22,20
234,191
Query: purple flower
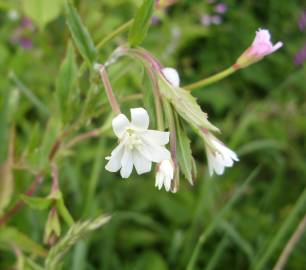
x,y
155,20
26,23
221,8
25,43
300,56
205,20
302,21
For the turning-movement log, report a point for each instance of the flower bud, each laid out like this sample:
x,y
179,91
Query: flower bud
x,y
53,228
171,76
164,175
260,47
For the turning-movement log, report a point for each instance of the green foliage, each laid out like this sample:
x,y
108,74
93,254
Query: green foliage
x,y
9,237
53,100
66,85
42,11
186,105
184,153
80,34
141,23
76,232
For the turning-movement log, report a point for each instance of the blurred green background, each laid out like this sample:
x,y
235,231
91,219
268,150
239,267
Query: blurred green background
x,y
261,111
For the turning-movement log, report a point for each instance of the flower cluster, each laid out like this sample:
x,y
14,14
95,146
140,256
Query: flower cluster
x,y
215,16
139,147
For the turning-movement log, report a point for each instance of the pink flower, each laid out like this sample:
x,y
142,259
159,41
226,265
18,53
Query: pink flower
x,y
260,47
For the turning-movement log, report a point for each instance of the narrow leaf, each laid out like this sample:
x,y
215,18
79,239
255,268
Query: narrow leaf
x,y
10,236
80,34
36,202
65,83
141,23
184,153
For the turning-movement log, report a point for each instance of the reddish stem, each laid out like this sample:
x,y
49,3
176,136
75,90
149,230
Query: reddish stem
x,y
19,204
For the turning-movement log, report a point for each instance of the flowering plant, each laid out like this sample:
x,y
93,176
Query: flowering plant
x,y
155,138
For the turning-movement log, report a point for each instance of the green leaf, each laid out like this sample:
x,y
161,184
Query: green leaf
x,y
184,154
42,11
185,104
80,34
6,175
141,23
76,232
63,211
38,203
10,236
65,83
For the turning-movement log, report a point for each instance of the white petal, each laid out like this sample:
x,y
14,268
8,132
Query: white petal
x,y
277,46
140,118
167,183
158,137
126,163
218,164
114,163
172,76
159,180
142,165
153,152
120,123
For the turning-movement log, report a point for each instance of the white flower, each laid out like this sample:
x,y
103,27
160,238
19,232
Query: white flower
x,y
138,146
218,155
164,175
172,76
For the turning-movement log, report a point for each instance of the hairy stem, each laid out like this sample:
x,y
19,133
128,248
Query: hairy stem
x,y
109,90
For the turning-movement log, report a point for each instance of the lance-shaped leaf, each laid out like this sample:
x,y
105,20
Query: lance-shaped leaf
x,y
184,154
76,232
38,203
185,104
10,236
80,34
65,83
141,23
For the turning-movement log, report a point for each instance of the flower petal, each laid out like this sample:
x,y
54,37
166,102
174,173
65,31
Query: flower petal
x,y
126,163
114,163
142,165
120,123
154,152
158,137
140,118
277,46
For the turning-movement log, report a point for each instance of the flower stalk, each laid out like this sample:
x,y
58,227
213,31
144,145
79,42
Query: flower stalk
x,y
212,79
109,90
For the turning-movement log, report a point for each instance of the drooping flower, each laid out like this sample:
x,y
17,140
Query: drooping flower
x,y
219,156
138,146
260,47
172,76
164,175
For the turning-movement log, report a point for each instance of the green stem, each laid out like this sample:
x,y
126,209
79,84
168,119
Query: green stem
x,y
211,227
106,39
214,78
282,232
113,34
